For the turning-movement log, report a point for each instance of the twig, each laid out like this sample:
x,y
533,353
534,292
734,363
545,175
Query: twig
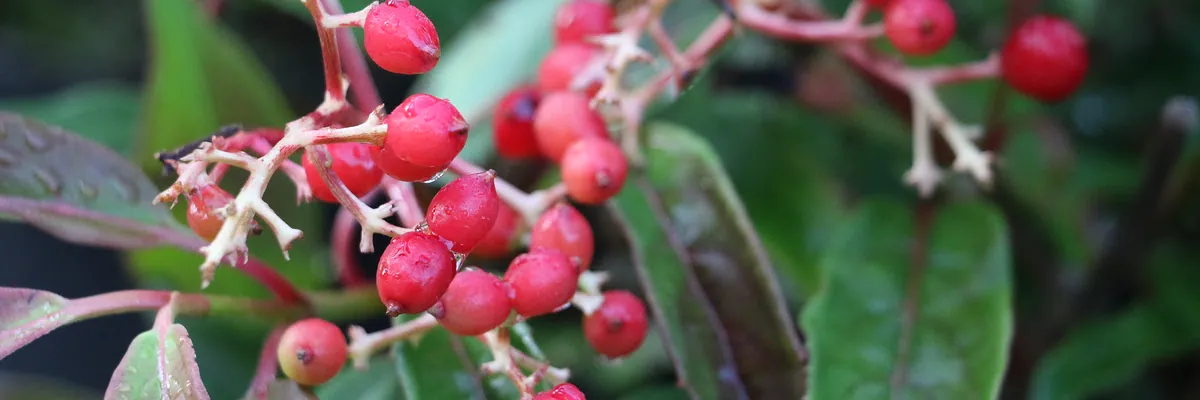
x,y
364,345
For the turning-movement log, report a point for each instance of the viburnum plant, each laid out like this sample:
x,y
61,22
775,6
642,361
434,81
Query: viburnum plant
x,y
581,113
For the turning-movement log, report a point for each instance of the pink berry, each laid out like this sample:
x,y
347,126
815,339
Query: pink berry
x,y
414,271
513,123
919,27
311,351
564,391
476,302
400,38
499,240
619,326
353,163
594,170
464,210
542,281
424,133
1045,58
880,4
563,64
563,228
561,119
579,20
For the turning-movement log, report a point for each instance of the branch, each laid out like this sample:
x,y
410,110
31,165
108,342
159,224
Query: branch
x,y
364,345
268,362
404,199
371,220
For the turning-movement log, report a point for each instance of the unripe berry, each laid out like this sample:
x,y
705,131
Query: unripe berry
x,y
464,210
564,391
919,27
563,228
202,212
353,163
542,281
579,20
563,118
594,170
400,38
311,351
424,133
414,271
619,326
565,62
512,119
1045,58
500,239
476,302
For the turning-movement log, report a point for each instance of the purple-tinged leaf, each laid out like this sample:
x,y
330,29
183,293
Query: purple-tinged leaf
x,y
282,389
28,314
160,364
78,190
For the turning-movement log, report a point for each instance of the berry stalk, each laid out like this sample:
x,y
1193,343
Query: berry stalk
x,y
363,345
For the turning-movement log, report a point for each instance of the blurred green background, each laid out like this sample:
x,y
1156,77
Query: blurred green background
x,y
803,138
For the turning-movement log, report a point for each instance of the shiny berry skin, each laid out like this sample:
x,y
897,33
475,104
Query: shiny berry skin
x,y
1045,58
542,281
919,27
476,302
499,240
563,228
594,170
564,391
513,123
880,4
353,163
414,271
399,38
311,351
563,118
464,210
424,133
578,20
563,63
203,204
619,326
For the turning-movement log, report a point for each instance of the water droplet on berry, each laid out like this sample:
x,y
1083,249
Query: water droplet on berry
x,y
435,177
459,259
563,307
422,227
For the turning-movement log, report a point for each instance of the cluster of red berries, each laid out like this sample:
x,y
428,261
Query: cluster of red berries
x,y
1045,57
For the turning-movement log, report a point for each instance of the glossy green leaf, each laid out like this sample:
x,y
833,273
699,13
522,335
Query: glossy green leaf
x,y
26,315
707,217
378,382
101,112
160,363
695,339
498,51
882,327
202,78
78,190
435,367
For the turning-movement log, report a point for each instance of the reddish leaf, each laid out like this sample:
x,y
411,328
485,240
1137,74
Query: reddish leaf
x,y
159,364
28,314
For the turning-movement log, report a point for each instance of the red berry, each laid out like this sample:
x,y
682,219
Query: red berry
x,y
563,63
578,20
475,303
414,271
513,121
354,163
400,38
202,214
424,133
464,210
311,351
542,281
563,228
499,240
880,4
1045,58
564,391
594,170
919,27
619,326
561,119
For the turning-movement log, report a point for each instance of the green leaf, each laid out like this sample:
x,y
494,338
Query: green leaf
x,y
730,263
694,338
101,112
78,190
497,52
19,386
202,77
160,363
378,382
882,327
434,367
26,315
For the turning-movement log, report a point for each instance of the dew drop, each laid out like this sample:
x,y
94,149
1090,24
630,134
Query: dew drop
x,y
47,180
563,307
89,192
435,177
6,159
422,227
36,141
459,260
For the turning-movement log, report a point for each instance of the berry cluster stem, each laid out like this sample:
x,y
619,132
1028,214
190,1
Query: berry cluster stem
x,y
363,345
509,361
